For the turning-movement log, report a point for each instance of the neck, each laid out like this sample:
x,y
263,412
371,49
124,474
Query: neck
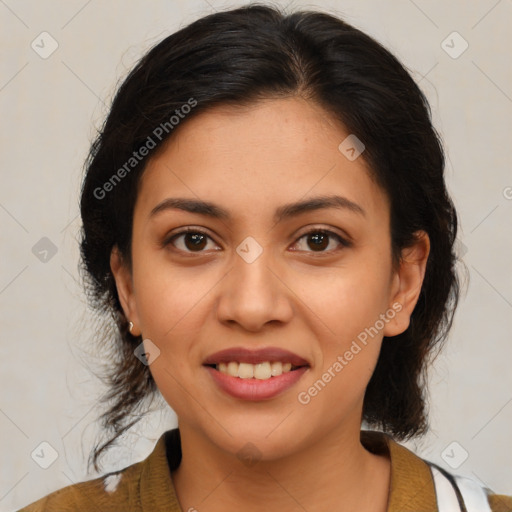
x,y
332,474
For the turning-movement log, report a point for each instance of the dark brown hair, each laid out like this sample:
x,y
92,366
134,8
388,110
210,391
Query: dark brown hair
x,y
237,57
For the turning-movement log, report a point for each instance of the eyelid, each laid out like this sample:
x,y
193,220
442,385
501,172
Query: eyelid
x,y
343,235
183,231
344,239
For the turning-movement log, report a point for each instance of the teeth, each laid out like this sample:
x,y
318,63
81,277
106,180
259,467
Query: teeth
x,y
245,371
261,371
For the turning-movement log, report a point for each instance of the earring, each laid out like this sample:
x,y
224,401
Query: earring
x,y
130,327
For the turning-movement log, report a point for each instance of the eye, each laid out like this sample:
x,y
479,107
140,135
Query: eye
x,y
192,240
319,240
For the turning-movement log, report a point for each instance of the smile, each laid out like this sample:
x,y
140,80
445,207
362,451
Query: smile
x,y
261,371
255,374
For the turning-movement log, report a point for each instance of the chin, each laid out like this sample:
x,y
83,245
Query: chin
x,y
252,441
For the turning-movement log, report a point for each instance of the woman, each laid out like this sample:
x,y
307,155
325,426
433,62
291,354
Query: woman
x,y
265,218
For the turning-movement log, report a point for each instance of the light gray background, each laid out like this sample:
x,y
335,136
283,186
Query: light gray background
x,y
49,108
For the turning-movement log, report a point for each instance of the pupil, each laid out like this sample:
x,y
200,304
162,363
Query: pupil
x,y
316,237
197,240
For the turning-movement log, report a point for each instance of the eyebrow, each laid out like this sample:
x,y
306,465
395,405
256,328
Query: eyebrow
x,y
286,211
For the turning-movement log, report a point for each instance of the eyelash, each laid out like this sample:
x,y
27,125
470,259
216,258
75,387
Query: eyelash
x,y
343,242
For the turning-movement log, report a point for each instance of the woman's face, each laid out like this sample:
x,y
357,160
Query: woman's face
x,y
253,279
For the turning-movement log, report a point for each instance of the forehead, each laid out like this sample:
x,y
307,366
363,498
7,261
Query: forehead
x,y
254,158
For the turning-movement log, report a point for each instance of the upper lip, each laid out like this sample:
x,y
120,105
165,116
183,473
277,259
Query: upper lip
x,y
255,356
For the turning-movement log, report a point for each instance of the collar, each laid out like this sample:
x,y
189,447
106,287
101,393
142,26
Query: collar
x,y
156,476
411,486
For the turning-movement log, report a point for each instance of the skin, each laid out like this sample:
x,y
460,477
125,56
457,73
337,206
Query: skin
x,y
311,301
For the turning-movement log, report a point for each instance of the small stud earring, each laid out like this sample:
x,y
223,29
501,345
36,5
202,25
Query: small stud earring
x,y
130,327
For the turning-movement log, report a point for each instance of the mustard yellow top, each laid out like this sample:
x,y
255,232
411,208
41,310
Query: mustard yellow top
x,y
147,485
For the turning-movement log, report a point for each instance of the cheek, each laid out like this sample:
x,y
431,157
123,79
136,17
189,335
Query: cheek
x,y
350,302
351,306
172,305
169,298
350,299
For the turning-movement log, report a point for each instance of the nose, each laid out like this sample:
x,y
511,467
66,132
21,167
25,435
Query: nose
x,y
254,294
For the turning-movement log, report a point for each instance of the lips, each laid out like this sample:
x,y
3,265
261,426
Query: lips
x,y
243,355
251,390
263,386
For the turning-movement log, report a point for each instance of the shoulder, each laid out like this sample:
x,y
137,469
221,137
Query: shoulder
x,y
112,492
500,503
413,486
143,486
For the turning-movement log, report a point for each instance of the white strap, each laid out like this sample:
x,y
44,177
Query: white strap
x,y
473,494
446,497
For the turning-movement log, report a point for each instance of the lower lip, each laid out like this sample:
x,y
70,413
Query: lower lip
x,y
256,389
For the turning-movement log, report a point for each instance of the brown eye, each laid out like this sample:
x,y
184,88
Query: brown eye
x,y
195,241
318,240
188,240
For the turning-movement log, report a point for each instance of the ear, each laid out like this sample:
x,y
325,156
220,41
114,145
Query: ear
x,y
124,285
407,282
